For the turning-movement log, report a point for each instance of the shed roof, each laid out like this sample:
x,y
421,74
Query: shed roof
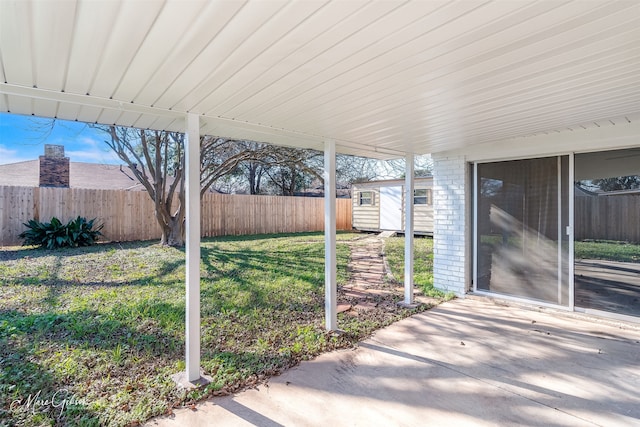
x,y
379,78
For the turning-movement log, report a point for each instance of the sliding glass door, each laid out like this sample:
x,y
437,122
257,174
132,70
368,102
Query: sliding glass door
x,y
607,231
521,229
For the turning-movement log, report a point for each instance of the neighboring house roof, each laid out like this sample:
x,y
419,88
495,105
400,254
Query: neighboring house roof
x,y
341,193
583,192
82,175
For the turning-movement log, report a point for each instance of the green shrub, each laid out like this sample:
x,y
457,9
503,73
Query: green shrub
x,y
54,234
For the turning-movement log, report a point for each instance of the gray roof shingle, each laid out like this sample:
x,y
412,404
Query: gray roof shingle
x,y
82,175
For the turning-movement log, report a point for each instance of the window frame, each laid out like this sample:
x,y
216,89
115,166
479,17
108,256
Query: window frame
x,y
362,198
426,196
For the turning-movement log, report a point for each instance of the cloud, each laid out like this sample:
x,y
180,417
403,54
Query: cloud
x,y
87,149
23,138
8,155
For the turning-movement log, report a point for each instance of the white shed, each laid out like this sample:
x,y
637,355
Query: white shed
x,y
379,206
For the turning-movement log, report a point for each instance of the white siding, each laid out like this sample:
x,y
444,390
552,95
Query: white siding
x,y
423,214
368,217
422,218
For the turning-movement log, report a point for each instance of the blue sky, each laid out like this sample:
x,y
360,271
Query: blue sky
x,y
23,138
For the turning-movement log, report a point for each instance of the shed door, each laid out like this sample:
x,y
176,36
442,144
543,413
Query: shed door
x,y
391,208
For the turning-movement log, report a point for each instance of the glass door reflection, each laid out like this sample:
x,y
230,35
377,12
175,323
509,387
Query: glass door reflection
x,y
522,217
607,231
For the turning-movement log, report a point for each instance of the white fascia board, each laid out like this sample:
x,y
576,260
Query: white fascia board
x,y
88,100
230,128
218,126
605,137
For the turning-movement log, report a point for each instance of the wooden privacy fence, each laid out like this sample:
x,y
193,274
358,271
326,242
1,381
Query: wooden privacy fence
x,y
129,215
608,218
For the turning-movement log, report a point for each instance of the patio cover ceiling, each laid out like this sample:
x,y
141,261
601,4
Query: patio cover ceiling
x,y
381,79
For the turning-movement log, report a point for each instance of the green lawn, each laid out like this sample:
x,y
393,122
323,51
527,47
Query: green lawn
x,y
607,250
98,331
423,263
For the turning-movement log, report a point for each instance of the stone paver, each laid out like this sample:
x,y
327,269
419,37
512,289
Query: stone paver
x,y
366,275
366,266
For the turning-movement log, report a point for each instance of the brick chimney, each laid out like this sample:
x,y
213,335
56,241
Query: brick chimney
x,y
54,167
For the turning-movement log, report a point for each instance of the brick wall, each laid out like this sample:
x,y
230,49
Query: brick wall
x,y
451,230
54,171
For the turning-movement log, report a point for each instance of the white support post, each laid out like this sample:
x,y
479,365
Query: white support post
x,y
330,276
192,192
571,231
408,230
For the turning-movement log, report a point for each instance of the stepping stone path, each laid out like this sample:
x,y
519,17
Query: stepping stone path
x,y
367,272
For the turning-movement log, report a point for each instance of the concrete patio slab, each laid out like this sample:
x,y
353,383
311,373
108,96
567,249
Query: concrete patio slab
x,y
472,362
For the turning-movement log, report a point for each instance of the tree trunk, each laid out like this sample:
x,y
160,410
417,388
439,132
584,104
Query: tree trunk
x,y
252,178
259,179
172,233
292,184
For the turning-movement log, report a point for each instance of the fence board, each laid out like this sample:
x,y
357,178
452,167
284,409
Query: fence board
x,y
608,218
129,215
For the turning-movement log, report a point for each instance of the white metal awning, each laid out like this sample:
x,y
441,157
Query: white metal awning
x,y
374,78
379,78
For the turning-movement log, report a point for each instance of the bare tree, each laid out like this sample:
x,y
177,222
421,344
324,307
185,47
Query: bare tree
x,y
220,157
285,170
156,158
292,169
253,170
423,166
617,183
278,170
353,169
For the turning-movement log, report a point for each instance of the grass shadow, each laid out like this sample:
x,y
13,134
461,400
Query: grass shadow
x,y
74,350
13,254
110,328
